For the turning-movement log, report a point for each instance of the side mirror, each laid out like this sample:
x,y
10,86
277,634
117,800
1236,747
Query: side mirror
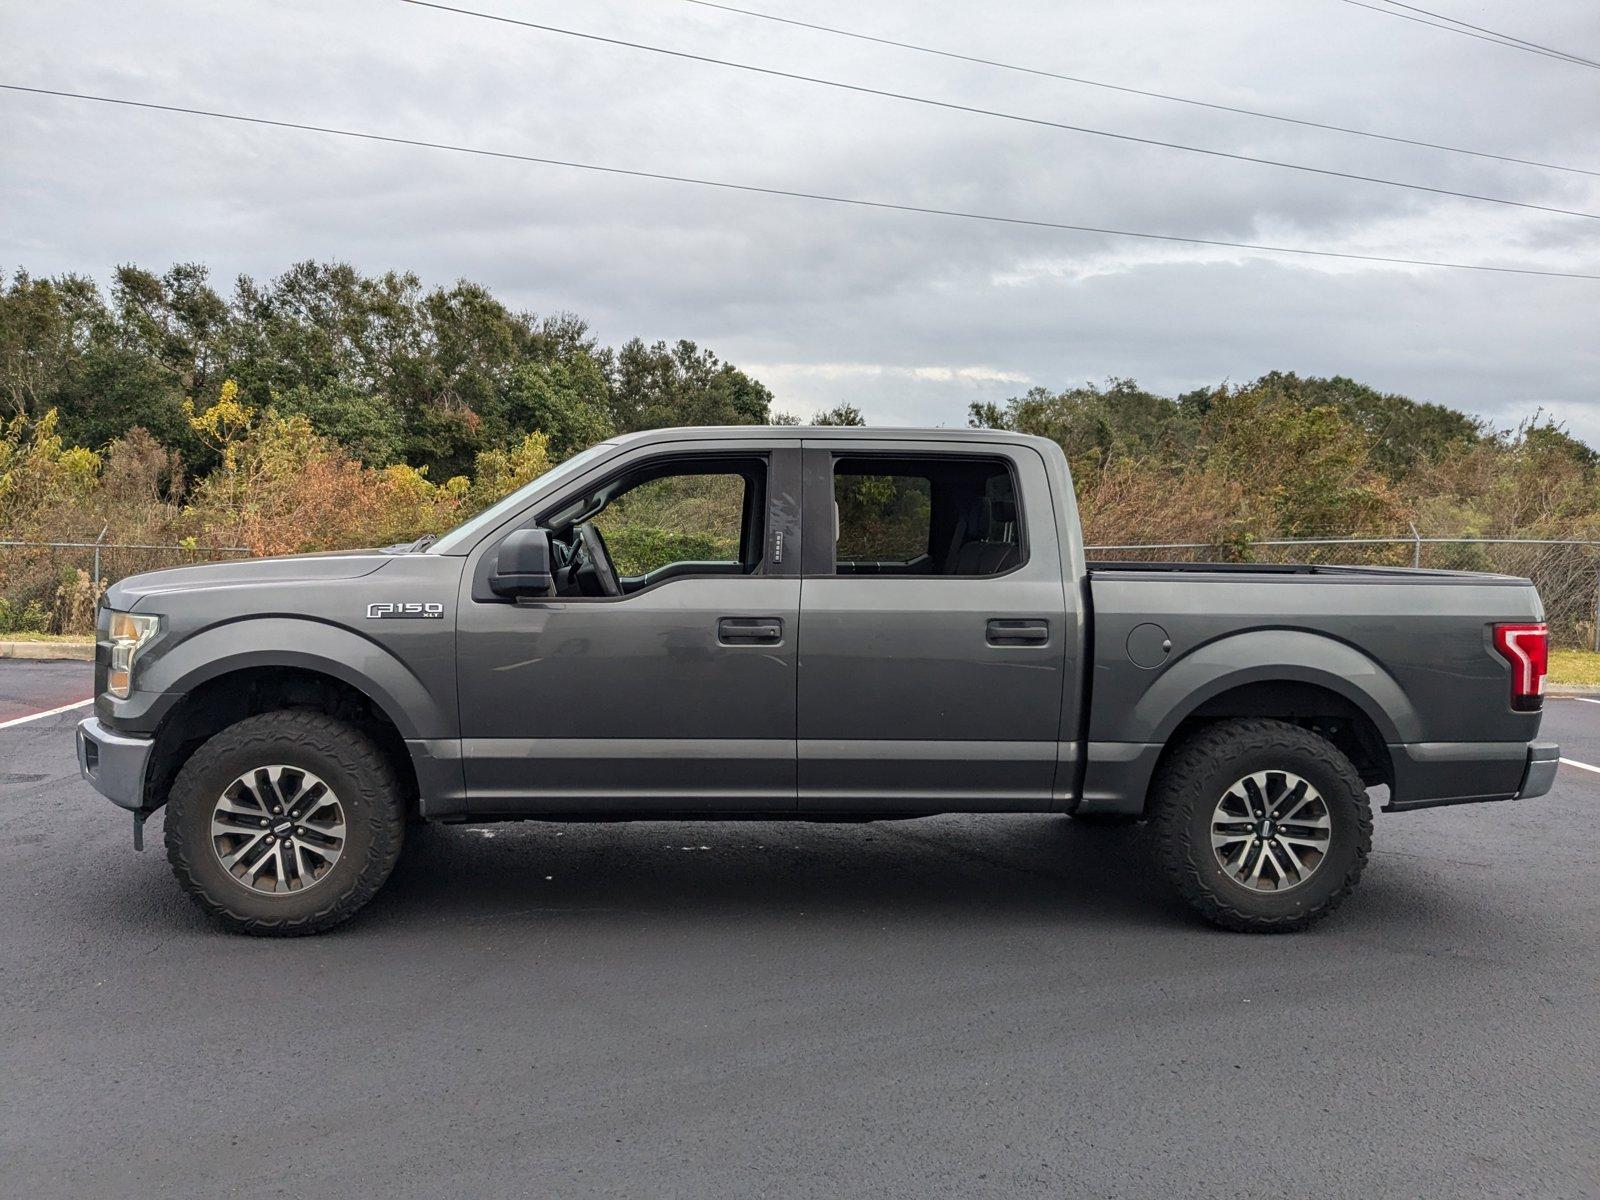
x,y
522,564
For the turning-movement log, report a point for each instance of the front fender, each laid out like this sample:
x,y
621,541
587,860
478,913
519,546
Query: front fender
x,y
1270,656
279,641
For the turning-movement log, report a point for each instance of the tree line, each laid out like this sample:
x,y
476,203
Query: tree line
x,y
328,408
390,370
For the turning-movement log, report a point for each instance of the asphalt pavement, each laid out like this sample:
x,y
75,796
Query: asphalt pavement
x,y
1007,1006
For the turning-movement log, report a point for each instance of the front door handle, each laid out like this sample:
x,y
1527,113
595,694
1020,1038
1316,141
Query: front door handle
x,y
749,631
1007,632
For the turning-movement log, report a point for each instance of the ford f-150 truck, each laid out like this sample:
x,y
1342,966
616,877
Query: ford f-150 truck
x,y
801,623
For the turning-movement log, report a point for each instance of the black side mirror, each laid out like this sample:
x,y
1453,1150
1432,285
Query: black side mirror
x,y
522,564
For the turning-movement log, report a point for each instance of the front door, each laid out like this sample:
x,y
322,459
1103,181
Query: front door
x,y
676,695
935,629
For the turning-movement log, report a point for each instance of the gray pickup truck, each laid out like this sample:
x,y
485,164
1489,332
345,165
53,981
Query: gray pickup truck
x,y
801,623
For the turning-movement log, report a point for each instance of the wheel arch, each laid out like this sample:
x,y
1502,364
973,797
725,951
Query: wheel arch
x,y
235,692
1309,679
1311,706
1291,662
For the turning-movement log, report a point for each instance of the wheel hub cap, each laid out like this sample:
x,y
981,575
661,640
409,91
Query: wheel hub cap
x,y
278,829
1271,831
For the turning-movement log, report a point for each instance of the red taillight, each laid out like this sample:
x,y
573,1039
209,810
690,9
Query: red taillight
x,y
1527,649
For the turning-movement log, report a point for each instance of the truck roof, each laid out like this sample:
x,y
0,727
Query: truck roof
x,y
842,433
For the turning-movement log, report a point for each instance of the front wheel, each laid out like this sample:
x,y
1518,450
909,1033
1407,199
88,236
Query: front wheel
x,y
1262,826
285,823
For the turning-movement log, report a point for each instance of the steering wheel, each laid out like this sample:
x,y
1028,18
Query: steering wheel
x,y
594,549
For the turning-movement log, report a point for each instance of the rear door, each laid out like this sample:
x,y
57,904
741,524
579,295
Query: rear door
x,y
935,629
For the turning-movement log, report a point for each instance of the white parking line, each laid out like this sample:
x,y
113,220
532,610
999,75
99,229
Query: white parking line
x,y
1585,699
1572,762
49,712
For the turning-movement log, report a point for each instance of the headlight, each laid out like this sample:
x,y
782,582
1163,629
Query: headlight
x,y
129,631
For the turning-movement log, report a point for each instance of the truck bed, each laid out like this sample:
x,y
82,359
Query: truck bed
x,y
1406,653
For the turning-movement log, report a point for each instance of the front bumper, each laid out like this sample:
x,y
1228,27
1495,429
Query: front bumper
x,y
113,763
1428,774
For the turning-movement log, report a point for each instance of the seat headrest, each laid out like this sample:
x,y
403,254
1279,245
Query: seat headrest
x,y
979,519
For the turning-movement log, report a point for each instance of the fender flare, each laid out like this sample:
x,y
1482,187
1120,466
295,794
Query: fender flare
x,y
1274,656
307,644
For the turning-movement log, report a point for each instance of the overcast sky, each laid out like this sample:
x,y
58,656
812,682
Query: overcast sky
x,y
908,317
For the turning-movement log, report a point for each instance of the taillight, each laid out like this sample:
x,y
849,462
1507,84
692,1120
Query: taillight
x,y
1527,649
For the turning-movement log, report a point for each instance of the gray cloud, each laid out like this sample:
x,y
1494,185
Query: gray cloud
x,y
909,317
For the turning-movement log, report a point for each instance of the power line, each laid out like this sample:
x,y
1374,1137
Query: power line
x,y
1005,116
1492,39
1133,91
796,194
1578,58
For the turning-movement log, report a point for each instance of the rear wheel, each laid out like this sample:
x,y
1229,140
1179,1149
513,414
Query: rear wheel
x,y
1263,826
285,823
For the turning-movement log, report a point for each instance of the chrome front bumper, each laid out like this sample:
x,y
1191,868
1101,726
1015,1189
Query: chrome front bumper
x,y
113,763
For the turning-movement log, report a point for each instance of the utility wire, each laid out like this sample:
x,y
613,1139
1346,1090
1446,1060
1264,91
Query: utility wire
x,y
990,112
796,194
1492,39
1578,58
1133,91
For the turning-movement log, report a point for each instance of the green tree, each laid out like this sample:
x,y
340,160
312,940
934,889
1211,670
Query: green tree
x,y
656,386
840,414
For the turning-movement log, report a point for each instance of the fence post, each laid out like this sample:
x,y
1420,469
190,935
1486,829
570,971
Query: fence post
x,y
95,582
1416,545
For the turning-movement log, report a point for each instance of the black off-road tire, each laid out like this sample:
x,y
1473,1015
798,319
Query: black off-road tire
x,y
352,766
1194,778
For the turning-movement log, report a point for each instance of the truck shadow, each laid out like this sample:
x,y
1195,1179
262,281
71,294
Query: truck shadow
x,y
1006,867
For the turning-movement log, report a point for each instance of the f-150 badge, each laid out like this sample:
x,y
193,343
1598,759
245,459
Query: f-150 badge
x,y
391,610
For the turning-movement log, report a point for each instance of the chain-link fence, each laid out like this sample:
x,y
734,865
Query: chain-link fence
x,y
1567,574
52,587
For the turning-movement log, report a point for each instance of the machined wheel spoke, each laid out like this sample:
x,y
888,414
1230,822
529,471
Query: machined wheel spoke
x,y
230,805
1263,852
326,850
230,823
1299,868
267,787
313,799
1311,822
234,858
251,870
1296,796
1289,839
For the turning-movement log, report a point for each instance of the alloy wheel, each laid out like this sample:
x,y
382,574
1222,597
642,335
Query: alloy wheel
x,y
1271,831
278,829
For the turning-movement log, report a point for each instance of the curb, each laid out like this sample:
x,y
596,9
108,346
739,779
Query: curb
x,y
49,651
1571,689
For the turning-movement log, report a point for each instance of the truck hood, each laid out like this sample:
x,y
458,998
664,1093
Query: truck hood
x,y
295,568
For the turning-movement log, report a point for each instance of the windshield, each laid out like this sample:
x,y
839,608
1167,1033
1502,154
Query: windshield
x,y
498,511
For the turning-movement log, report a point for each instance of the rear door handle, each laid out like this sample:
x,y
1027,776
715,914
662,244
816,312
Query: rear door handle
x,y
1006,632
749,631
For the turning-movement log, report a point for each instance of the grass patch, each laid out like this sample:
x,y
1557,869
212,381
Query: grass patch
x,y
46,637
1575,666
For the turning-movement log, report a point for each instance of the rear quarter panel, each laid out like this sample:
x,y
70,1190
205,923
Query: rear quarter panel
x,y
1413,651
